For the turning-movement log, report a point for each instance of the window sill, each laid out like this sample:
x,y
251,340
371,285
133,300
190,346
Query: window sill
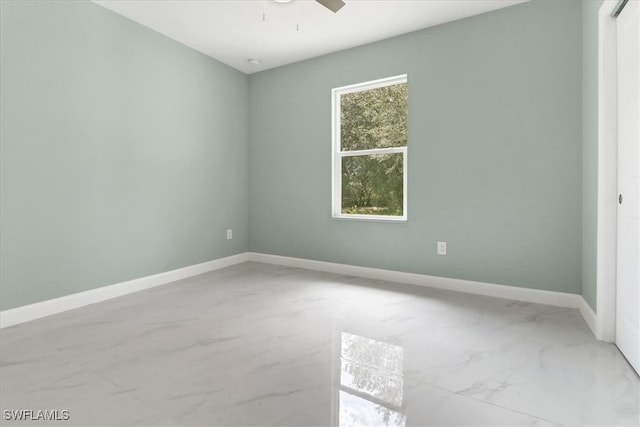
x,y
371,218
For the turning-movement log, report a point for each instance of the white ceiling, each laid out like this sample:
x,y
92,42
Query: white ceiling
x,y
233,31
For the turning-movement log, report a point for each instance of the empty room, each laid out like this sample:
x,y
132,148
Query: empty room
x,y
319,213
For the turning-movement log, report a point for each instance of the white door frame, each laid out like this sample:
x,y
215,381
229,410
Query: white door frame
x,y
606,247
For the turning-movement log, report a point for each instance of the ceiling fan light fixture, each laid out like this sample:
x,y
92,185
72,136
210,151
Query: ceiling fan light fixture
x,y
333,5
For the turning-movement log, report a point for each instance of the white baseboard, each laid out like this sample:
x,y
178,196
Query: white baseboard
x,y
38,310
561,299
591,318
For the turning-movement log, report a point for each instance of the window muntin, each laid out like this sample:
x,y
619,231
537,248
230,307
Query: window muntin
x,y
370,150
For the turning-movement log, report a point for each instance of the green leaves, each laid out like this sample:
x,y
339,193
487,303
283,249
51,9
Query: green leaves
x,y
372,184
375,118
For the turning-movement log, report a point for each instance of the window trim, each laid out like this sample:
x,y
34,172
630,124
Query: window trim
x,y
337,154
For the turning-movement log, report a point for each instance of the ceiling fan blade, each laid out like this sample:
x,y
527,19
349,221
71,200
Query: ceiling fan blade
x,y
332,5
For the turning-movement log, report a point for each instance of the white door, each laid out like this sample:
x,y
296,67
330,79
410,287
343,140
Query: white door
x,y
628,268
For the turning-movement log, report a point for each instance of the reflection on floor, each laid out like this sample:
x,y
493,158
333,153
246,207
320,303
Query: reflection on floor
x,y
371,383
256,344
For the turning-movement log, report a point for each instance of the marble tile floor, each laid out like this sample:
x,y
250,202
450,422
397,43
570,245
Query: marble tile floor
x,y
266,345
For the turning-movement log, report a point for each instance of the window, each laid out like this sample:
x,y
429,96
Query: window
x,y
370,150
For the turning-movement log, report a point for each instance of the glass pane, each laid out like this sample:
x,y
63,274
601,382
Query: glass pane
x,y
375,118
373,185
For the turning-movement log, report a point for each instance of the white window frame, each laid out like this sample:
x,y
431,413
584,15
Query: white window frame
x,y
337,154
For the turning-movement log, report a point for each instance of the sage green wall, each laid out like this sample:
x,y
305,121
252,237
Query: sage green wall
x,y
123,152
495,151
590,147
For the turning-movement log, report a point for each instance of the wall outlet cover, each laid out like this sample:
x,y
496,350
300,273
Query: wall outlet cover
x,y
442,248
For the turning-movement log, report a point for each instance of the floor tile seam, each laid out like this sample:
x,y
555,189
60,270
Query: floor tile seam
x,y
134,394
443,389
411,285
414,290
105,378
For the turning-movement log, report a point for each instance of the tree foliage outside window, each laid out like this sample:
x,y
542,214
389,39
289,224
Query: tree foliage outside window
x,y
371,149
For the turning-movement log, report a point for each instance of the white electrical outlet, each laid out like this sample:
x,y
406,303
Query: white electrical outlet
x,y
442,248
229,234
